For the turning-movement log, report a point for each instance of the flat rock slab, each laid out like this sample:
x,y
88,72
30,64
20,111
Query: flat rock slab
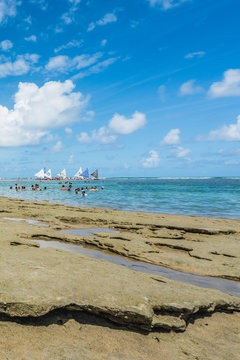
x,y
82,336
35,281
203,246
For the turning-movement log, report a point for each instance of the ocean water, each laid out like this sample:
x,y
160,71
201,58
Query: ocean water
x,y
214,197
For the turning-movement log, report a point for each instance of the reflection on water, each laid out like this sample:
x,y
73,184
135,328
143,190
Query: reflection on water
x,y
86,232
228,287
29,221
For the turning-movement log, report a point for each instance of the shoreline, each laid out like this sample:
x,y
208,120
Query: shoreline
x,y
119,210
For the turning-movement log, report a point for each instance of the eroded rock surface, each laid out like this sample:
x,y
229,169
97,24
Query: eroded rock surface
x,y
191,244
69,306
35,281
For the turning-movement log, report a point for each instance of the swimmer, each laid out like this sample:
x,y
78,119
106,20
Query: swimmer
x,y
102,187
83,193
63,188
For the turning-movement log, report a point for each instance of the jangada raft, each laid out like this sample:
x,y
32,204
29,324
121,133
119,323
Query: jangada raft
x,y
80,175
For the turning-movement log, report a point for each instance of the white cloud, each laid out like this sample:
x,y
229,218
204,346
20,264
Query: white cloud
x,y
38,110
226,133
229,86
167,4
57,147
189,88
32,38
152,161
181,152
69,45
68,130
8,8
41,3
28,20
107,19
63,63
95,69
6,45
102,136
20,66
172,137
104,42
121,125
69,16
88,116
195,54
134,24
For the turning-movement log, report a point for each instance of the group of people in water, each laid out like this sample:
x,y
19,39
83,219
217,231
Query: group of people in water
x,y
36,187
23,188
82,190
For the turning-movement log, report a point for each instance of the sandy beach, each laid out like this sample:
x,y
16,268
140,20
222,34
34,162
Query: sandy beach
x,y
57,304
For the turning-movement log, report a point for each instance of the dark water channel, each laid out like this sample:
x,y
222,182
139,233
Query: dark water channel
x,y
226,286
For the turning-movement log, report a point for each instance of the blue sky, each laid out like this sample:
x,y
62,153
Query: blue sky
x,y
133,88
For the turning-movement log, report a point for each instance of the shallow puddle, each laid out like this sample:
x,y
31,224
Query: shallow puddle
x,y
86,232
228,287
29,221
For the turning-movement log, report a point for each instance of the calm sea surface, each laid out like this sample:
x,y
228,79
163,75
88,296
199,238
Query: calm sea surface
x,y
215,197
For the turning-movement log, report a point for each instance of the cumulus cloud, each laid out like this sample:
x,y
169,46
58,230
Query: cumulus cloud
x,y
226,133
195,54
229,86
189,88
172,137
121,125
107,19
152,161
38,110
63,63
6,45
102,136
20,66
32,38
167,4
8,8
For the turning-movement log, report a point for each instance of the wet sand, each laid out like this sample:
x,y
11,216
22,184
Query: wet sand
x,y
98,310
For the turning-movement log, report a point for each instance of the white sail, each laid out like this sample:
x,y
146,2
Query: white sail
x,y
48,174
40,174
62,174
79,173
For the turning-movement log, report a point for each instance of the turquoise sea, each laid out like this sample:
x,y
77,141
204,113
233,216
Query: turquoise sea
x,y
214,197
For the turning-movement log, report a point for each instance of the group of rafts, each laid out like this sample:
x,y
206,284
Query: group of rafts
x,y
47,175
